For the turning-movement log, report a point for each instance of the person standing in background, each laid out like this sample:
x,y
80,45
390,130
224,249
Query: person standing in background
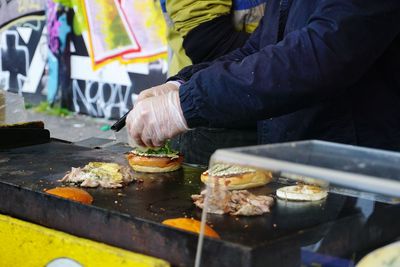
x,y
201,31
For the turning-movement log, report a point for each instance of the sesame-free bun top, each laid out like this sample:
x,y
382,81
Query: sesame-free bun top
x,y
235,177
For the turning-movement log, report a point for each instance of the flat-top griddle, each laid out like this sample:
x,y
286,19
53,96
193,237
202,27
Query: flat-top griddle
x,y
131,217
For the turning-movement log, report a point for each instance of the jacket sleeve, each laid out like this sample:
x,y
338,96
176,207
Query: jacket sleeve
x,y
341,41
213,39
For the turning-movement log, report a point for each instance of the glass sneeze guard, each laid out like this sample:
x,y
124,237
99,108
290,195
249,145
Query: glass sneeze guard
x,y
359,168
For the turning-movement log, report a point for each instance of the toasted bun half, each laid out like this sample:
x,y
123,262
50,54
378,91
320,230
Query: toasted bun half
x,y
154,164
192,225
71,193
302,193
240,181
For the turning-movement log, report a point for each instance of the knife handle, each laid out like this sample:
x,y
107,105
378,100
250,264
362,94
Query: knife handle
x,y
120,123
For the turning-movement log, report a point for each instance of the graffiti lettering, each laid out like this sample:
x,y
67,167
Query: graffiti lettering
x,y
52,26
22,58
14,61
32,26
101,99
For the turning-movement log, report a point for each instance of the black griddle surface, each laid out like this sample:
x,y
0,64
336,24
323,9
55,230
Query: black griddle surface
x,y
131,217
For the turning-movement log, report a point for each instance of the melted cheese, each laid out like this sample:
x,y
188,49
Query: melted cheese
x,y
101,170
227,170
144,154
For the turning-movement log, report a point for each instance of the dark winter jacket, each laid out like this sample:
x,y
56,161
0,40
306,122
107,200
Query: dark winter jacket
x,y
330,72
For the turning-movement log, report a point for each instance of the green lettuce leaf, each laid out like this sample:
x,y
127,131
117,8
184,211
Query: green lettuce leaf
x,y
164,150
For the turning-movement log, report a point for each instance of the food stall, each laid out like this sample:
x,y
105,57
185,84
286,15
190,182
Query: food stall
x,y
358,215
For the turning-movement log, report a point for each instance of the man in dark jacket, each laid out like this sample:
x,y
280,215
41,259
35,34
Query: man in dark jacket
x,y
318,69
200,31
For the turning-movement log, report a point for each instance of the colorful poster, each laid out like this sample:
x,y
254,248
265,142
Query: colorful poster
x,y
126,30
145,18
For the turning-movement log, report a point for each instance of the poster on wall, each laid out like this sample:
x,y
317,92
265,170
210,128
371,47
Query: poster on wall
x,y
124,30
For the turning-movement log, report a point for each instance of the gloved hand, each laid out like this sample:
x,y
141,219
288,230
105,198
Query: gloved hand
x,y
155,119
158,90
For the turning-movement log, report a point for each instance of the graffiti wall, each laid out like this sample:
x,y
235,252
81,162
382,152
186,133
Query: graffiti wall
x,y
23,46
93,57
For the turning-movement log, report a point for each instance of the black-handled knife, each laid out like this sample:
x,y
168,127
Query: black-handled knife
x,y
120,123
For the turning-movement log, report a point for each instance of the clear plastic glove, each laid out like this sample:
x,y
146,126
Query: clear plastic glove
x,y
158,90
155,119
